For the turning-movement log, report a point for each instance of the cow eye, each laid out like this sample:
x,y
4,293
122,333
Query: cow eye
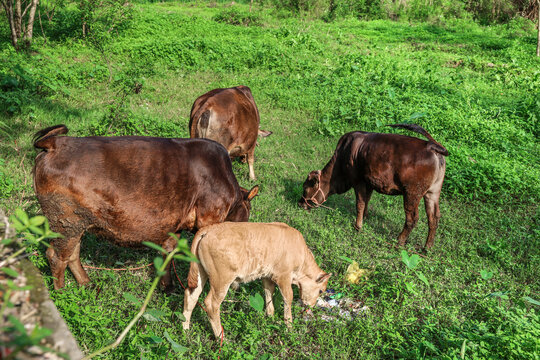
x,y
320,292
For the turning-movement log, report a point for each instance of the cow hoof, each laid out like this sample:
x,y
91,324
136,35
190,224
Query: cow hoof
x,y
169,289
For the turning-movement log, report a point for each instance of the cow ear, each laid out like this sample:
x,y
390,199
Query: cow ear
x,y
253,192
315,175
323,277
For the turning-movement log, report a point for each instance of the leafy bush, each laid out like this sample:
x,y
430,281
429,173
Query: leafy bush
x,y
18,87
234,16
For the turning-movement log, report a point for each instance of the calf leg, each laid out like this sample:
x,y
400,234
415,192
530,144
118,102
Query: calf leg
x,y
287,293
431,201
363,194
411,216
213,302
269,288
191,296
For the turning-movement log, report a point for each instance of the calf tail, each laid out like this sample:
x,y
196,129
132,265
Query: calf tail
x,y
193,276
202,124
45,139
433,144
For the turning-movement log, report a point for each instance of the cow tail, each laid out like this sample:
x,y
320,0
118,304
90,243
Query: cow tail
x,y
193,276
46,139
202,124
433,144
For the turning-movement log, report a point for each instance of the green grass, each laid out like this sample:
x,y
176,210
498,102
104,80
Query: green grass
x,y
475,89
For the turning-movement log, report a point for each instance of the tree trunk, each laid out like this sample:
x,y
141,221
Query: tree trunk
x,y
30,25
538,43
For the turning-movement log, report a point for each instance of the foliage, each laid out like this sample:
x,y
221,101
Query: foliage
x,y
34,230
473,88
235,16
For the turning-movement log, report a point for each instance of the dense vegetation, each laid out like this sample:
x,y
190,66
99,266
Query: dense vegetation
x,y
474,88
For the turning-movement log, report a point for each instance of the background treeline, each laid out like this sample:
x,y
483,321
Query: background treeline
x,y
483,11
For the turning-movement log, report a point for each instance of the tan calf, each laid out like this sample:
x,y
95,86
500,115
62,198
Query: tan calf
x,y
242,252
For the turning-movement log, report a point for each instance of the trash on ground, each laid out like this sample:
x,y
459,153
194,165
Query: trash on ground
x,y
338,307
354,274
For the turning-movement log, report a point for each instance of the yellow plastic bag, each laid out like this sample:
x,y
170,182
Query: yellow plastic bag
x,y
354,274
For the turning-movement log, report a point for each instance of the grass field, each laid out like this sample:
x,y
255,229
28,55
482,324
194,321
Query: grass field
x,y
475,89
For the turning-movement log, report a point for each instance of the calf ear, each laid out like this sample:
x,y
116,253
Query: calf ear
x,y
253,192
323,277
264,133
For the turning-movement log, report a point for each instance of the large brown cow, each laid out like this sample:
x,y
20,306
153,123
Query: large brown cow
x,y
389,164
131,189
230,117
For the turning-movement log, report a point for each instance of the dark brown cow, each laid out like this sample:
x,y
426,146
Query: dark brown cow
x,y
230,117
131,189
389,164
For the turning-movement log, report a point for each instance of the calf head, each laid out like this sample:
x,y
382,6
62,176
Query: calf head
x,y
311,289
312,195
240,211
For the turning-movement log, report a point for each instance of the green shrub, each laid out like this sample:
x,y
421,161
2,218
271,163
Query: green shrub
x,y
234,16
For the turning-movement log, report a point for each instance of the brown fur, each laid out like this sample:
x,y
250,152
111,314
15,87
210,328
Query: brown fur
x,y
389,164
230,117
242,252
131,189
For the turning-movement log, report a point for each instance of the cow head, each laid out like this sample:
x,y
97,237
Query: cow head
x,y
240,211
312,195
311,289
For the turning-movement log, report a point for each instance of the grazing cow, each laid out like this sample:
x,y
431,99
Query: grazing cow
x,y
131,189
230,117
232,253
387,163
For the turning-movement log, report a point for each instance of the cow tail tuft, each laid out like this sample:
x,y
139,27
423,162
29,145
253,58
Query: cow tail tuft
x,y
193,276
433,144
45,139
204,120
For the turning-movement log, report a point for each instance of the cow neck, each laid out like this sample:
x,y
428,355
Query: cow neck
x,y
332,181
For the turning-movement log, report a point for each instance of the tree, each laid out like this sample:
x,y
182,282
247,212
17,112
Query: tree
x,y
21,15
538,43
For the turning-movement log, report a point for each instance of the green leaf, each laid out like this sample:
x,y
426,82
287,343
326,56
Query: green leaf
x,y
158,263
531,300
133,299
180,316
10,272
17,324
186,258
37,220
422,277
344,258
36,230
410,261
17,224
486,275
22,216
410,287
152,339
154,315
417,115
175,346
155,247
257,302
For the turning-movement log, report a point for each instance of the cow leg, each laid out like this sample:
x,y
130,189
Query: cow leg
x,y
363,194
431,201
411,216
61,253
213,302
269,288
75,266
251,160
166,281
287,294
191,296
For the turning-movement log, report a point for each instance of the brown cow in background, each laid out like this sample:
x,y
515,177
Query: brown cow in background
x,y
131,189
389,164
230,117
